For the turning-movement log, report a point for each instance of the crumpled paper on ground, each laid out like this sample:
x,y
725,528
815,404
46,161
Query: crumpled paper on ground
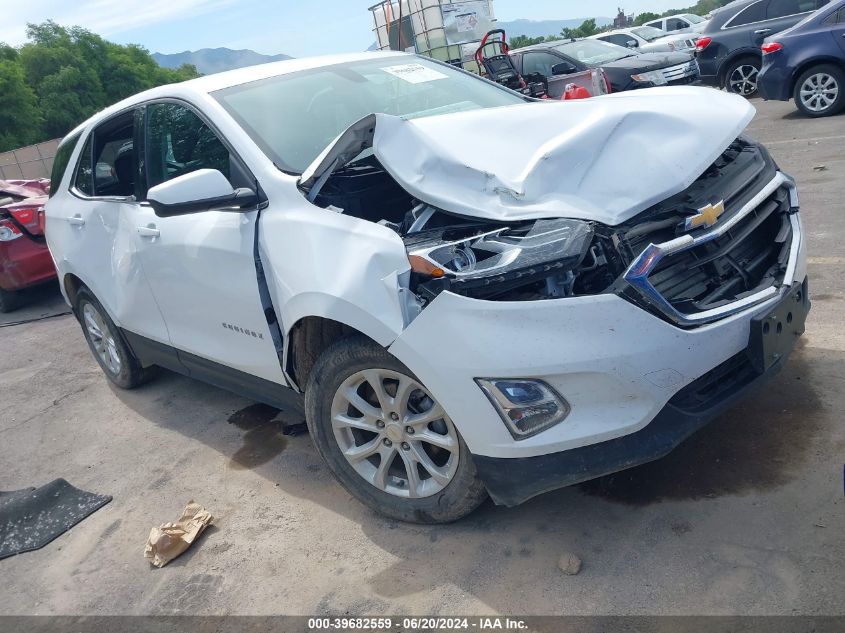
x,y
169,540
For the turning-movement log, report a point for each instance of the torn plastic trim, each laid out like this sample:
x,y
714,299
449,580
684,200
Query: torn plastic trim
x,y
267,307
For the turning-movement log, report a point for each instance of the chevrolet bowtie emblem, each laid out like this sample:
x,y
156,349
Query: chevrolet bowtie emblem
x,y
706,216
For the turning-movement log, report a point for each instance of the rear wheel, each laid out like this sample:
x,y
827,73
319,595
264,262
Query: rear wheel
x,y
111,352
741,76
9,300
386,439
820,91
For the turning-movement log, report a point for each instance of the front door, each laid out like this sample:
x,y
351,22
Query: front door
x,y
201,266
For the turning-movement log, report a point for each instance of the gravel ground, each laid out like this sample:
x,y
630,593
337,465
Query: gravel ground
x,y
744,518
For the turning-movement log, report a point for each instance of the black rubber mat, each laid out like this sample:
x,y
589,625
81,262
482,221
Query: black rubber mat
x,y
31,518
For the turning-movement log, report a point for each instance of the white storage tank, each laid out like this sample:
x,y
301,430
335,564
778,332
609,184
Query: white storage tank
x,y
447,30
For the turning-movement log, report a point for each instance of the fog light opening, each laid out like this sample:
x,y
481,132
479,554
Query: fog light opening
x,y
527,407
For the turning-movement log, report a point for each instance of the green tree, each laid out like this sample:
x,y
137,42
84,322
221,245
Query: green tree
x,y
20,120
587,28
73,73
642,18
520,41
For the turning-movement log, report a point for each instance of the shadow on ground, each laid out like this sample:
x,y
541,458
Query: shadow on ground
x,y
759,445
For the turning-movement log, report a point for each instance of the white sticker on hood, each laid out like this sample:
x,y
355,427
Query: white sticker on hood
x,y
414,73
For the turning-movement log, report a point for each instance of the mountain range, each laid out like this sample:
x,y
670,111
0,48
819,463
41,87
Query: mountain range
x,y
539,28
215,60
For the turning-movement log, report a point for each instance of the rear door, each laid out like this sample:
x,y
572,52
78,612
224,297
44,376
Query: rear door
x,y
96,227
202,266
837,27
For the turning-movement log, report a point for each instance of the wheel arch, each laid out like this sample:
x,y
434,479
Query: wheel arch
x,y
70,287
808,64
310,334
735,56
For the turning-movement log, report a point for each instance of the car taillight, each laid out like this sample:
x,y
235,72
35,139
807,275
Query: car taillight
x,y
771,47
9,231
42,221
703,43
28,217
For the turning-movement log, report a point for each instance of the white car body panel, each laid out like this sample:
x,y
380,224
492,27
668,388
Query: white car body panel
x,y
614,362
675,41
537,164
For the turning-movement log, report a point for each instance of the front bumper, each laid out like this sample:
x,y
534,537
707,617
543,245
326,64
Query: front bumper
x,y
616,364
514,481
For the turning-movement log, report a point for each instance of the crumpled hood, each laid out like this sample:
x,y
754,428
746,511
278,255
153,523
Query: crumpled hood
x,y
604,159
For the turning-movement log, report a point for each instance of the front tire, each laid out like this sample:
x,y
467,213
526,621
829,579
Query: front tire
x,y
111,352
820,91
741,77
386,439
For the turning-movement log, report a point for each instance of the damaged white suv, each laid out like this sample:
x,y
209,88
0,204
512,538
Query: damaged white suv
x,y
477,294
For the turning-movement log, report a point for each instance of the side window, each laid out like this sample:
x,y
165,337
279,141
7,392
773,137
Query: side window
x,y
752,13
784,8
676,24
657,24
107,163
539,63
620,39
84,181
60,162
178,142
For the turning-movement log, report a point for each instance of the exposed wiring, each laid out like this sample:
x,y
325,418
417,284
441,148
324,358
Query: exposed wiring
x,y
41,318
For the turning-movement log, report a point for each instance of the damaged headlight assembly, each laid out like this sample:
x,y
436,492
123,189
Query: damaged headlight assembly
x,y
479,262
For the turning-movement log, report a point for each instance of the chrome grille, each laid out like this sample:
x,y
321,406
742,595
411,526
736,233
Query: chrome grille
x,y
711,273
681,71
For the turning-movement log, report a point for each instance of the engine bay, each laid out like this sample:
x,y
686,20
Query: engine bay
x,y
516,261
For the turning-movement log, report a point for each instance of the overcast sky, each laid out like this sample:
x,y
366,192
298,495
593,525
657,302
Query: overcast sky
x,y
294,27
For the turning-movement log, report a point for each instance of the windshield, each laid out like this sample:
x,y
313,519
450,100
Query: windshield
x,y
293,117
648,33
593,53
695,19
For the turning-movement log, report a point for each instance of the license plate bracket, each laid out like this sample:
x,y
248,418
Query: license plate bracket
x,y
775,333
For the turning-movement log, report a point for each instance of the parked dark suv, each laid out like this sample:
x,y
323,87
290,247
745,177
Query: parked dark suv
x,y
728,51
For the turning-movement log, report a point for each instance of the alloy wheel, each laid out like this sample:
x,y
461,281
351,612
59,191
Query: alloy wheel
x,y
819,92
394,434
101,338
743,80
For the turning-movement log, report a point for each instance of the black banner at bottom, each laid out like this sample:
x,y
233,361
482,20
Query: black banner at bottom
x,y
411,624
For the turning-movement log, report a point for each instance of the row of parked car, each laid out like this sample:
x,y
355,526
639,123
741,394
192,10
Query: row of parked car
x,y
783,49
803,52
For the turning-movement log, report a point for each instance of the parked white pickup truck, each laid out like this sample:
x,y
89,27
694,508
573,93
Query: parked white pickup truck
x,y
477,293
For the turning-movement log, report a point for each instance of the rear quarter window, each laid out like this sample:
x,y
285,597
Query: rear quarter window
x,y
61,161
750,14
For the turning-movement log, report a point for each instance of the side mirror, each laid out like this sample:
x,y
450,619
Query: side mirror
x,y
563,68
632,44
198,191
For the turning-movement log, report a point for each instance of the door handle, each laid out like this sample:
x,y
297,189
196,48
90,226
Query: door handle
x,y
148,231
762,31
76,220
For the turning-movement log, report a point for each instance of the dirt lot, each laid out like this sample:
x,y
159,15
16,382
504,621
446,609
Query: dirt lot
x,y
745,518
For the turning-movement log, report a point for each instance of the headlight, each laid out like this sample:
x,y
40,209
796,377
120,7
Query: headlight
x,y
541,248
655,77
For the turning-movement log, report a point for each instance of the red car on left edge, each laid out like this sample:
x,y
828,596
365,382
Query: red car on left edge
x,y
24,258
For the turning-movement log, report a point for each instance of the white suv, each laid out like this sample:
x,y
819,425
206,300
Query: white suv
x,y
476,293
